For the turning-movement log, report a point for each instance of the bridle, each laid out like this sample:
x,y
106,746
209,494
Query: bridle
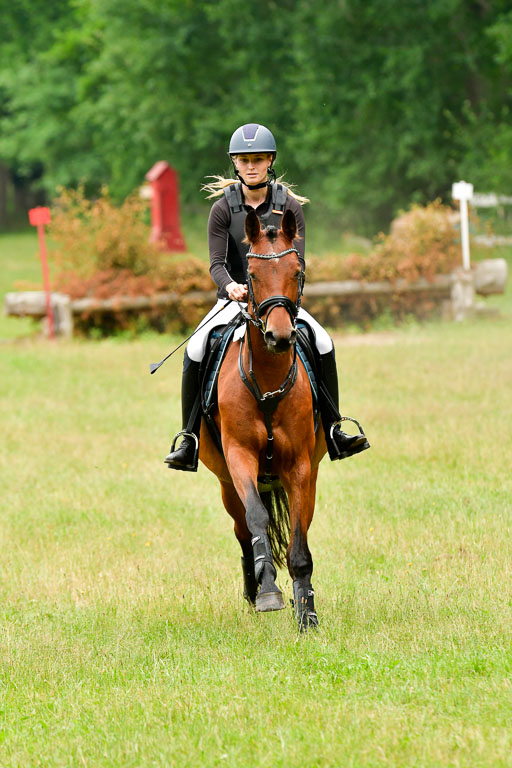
x,y
268,401
267,305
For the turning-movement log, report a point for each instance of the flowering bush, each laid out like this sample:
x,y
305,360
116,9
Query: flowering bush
x,y
422,243
103,251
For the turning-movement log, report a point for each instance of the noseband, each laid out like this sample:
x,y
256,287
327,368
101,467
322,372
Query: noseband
x,y
267,305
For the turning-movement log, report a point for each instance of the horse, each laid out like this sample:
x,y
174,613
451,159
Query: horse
x,y
271,450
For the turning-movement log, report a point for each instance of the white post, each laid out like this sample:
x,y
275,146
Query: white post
x,y
464,231
462,191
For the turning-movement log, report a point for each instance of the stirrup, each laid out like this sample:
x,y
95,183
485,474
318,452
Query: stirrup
x,y
191,467
352,451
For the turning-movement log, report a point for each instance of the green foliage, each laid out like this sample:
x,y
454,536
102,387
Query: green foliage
x,y
374,104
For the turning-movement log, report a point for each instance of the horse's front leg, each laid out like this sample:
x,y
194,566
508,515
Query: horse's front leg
x,y
243,468
236,509
301,488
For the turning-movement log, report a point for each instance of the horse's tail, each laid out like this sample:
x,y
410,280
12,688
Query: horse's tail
x,y
275,502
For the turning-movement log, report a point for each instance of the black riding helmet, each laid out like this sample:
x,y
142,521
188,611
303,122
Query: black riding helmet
x,y
251,139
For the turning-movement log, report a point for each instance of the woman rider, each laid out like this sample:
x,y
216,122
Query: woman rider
x,y
252,150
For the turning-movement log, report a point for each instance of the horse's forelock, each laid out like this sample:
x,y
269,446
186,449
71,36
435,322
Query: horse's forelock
x,y
271,233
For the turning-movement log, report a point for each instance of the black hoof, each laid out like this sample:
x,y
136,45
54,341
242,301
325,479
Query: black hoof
x,y
269,601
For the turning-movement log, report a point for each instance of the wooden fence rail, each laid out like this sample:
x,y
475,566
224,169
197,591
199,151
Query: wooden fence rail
x,y
454,292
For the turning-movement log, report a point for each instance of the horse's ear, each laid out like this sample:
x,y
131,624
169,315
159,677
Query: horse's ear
x,y
252,226
289,225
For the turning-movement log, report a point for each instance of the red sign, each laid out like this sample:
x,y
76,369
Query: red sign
x,y
39,216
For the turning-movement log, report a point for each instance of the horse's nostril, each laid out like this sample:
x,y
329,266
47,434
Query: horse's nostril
x,y
269,338
293,337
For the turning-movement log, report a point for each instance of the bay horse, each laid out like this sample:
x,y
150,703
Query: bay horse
x,y
265,417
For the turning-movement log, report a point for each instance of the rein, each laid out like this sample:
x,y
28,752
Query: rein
x,y
268,401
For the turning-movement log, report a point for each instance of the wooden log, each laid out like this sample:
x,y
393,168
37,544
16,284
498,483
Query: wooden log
x,y
118,303
439,284
33,304
25,303
490,276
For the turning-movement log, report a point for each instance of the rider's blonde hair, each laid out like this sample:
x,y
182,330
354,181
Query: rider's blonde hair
x,y
216,188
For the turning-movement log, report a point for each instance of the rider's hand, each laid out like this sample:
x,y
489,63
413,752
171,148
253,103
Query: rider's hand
x,y
236,291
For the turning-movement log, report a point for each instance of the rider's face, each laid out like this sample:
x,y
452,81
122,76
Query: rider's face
x,y
253,168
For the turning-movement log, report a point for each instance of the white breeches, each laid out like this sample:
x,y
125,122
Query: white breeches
x,y
197,344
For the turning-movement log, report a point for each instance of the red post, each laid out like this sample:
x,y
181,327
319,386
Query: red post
x,y
38,217
165,207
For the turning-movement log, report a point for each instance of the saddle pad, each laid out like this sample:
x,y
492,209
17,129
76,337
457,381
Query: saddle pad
x,y
235,334
220,338
310,372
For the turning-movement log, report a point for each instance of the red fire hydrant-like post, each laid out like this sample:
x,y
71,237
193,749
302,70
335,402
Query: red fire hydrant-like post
x,y
165,210
38,217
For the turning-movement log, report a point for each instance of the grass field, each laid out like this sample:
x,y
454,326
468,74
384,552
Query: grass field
x,y
124,637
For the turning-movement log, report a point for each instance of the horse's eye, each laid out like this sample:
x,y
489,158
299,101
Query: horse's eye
x,y
252,276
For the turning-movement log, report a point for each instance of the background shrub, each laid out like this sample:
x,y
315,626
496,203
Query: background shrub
x,y
422,242
103,251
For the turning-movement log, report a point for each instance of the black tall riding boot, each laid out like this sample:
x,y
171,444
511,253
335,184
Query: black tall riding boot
x,y
339,444
186,456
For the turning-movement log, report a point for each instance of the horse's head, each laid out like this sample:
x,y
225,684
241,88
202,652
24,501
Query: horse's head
x,y
274,280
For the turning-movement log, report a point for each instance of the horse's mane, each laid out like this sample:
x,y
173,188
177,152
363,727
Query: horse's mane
x,y
216,188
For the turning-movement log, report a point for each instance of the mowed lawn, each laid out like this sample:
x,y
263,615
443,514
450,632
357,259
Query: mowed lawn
x,y
124,636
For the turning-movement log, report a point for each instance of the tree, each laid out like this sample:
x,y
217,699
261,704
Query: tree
x,y
374,103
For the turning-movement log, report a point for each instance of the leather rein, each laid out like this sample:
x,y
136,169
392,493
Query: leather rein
x,y
268,401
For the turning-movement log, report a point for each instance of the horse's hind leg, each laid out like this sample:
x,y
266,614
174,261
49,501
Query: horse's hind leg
x,y
236,509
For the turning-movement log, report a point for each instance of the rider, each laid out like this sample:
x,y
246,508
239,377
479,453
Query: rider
x,y
252,150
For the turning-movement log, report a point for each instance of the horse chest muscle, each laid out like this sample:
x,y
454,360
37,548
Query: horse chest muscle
x,y
241,421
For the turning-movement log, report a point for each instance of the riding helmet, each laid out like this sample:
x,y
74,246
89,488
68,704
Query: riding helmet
x,y
252,138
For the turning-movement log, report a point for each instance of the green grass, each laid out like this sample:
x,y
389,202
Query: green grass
x,y
124,637
19,267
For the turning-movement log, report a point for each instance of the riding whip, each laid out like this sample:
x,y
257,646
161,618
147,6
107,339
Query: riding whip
x,y
155,366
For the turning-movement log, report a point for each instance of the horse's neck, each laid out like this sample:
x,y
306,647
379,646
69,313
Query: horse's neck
x,y
270,370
